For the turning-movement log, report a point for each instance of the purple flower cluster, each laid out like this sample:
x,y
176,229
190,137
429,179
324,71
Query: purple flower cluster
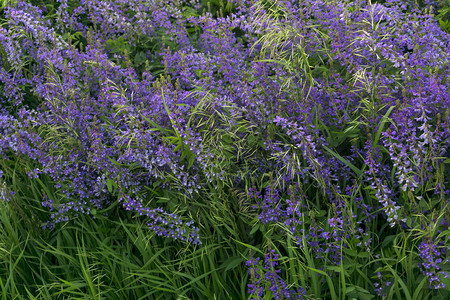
x,y
381,286
266,280
433,255
325,237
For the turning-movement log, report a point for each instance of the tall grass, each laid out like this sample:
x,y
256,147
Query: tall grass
x,y
112,253
112,258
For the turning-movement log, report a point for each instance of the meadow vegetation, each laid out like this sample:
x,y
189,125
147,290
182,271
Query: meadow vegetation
x,y
214,149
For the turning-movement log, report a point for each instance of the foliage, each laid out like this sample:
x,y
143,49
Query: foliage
x,y
224,150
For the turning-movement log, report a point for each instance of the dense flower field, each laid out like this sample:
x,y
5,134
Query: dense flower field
x,y
240,149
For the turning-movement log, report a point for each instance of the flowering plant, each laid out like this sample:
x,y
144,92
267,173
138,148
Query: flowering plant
x,y
320,128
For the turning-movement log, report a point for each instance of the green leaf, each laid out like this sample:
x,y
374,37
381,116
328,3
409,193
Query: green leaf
x,y
354,291
179,147
139,59
227,139
409,221
254,229
363,255
321,213
189,12
198,73
419,288
388,240
232,263
346,162
109,184
328,280
154,124
336,269
380,129
228,154
252,139
191,160
173,140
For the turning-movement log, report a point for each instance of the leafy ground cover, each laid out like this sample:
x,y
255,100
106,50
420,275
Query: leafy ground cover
x,y
243,149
